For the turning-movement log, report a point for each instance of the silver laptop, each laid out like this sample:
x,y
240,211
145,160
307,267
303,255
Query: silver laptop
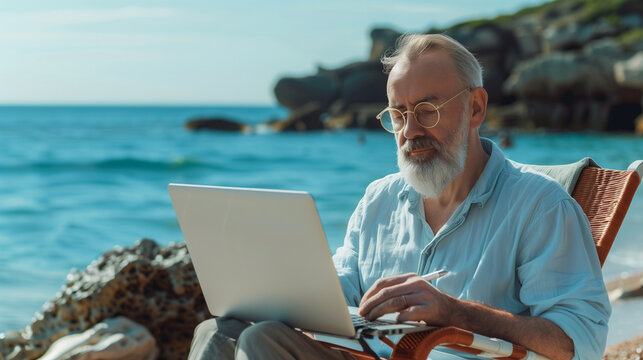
x,y
262,255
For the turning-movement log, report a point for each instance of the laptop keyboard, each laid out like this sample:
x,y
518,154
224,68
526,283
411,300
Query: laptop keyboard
x,y
360,322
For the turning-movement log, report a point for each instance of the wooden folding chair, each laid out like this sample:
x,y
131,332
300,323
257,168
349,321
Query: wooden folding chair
x,y
605,196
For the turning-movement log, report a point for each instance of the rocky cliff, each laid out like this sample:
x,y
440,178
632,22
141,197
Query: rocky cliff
x,y
567,64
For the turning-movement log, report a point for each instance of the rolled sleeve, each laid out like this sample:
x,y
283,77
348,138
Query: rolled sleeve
x,y
561,278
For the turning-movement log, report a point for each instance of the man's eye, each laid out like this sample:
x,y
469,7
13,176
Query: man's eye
x,y
424,112
396,116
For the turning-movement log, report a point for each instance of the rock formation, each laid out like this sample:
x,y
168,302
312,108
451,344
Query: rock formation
x,y
558,63
626,286
113,339
215,124
154,286
629,73
330,94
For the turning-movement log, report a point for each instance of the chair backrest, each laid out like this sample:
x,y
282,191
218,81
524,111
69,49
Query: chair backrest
x,y
605,195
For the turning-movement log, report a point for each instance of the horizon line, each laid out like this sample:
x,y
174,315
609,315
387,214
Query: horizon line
x,y
125,104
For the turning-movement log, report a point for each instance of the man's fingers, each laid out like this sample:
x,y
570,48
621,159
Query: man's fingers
x,y
414,293
384,283
413,313
389,293
413,305
394,304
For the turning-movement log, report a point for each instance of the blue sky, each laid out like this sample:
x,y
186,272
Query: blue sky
x,y
195,52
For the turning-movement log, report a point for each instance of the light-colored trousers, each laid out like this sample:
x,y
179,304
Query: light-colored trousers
x,y
227,338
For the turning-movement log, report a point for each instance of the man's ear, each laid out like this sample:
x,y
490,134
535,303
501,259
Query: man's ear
x,y
478,106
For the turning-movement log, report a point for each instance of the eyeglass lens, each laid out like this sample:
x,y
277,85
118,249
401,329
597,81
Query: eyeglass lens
x,y
425,114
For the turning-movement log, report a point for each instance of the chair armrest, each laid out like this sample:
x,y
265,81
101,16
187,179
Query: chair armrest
x,y
419,345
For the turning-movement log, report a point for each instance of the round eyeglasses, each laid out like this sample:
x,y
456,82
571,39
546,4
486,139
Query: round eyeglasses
x,y
425,113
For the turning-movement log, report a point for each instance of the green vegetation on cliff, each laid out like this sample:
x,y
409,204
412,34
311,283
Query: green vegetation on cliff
x,y
630,37
580,11
612,10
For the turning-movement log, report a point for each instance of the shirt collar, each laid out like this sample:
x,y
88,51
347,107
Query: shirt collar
x,y
483,188
408,193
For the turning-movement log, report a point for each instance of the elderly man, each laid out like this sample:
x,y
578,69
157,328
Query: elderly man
x,y
521,260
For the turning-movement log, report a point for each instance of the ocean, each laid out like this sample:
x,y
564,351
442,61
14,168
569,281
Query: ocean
x,y
78,181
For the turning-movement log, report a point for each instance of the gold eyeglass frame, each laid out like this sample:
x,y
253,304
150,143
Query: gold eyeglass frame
x,y
437,109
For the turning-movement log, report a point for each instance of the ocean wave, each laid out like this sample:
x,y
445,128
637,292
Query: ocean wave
x,y
120,164
267,159
178,163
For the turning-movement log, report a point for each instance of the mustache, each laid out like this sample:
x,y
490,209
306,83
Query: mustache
x,y
420,143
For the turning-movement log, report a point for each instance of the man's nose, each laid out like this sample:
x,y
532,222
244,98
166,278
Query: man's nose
x,y
412,129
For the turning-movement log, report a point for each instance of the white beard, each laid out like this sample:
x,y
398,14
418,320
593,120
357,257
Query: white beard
x,y
431,176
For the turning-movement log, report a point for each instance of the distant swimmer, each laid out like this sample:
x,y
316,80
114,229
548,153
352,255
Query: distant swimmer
x,y
361,139
505,139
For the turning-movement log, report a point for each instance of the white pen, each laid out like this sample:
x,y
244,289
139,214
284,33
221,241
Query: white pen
x,y
434,275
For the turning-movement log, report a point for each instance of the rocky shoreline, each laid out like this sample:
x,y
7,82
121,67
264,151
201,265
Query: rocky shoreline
x,y
628,350
153,287
563,65
145,299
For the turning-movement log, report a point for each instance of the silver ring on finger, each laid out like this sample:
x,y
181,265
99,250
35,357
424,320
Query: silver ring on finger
x,y
406,304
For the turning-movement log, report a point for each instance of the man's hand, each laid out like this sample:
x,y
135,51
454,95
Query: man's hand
x,y
410,295
417,300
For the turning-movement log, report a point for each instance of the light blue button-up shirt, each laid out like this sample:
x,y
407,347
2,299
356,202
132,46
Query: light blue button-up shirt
x,y
518,242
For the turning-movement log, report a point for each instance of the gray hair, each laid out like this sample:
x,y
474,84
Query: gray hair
x,y
411,46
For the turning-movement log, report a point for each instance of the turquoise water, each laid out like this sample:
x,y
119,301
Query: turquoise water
x,y
77,181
